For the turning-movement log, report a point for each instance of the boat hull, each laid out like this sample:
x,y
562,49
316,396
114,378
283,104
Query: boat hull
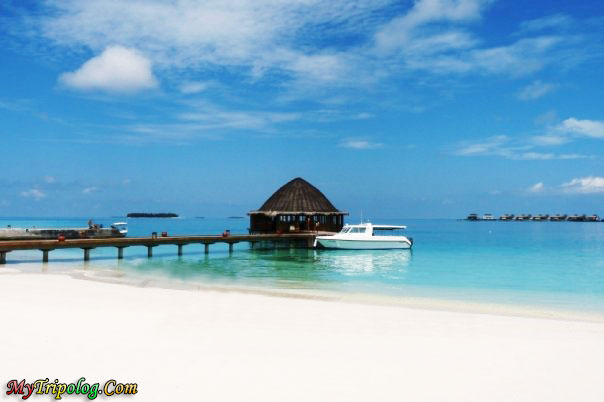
x,y
353,244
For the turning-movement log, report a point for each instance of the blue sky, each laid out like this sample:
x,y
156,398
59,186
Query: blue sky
x,y
427,108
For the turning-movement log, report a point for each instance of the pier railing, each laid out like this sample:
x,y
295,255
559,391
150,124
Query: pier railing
x,y
46,246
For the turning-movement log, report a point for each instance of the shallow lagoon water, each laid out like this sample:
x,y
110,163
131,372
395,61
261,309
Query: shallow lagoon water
x,y
539,264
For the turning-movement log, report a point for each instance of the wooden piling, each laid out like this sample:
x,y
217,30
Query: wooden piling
x,y
45,255
3,257
150,251
230,248
120,253
87,253
180,250
206,248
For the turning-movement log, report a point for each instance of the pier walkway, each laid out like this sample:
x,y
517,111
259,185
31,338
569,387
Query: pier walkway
x,y
46,246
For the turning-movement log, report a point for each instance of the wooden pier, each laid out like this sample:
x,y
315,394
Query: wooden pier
x,y
46,246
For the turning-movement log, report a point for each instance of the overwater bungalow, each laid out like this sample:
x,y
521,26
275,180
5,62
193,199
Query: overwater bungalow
x,y
558,218
592,218
506,217
523,217
473,217
540,217
296,206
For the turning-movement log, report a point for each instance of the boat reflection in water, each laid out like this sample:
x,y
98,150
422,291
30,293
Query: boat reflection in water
x,y
376,262
292,269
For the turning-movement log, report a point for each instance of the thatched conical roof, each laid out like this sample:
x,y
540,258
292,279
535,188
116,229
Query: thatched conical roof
x,y
295,197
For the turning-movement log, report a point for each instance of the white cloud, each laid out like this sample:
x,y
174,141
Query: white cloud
x,y
549,22
116,69
193,87
535,90
550,139
320,67
399,32
491,145
522,57
584,185
90,190
212,117
359,144
546,119
33,193
49,179
528,148
534,156
537,188
574,156
588,128
430,37
505,147
256,37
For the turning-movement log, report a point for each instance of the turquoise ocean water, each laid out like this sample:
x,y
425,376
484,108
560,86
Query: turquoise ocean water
x,y
556,265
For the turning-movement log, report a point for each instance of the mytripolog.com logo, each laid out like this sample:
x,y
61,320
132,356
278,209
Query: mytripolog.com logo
x,y
91,391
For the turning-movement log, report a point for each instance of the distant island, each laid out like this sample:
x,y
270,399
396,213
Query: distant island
x,y
152,215
235,217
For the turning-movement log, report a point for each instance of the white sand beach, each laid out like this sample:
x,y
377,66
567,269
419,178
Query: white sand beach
x,y
184,345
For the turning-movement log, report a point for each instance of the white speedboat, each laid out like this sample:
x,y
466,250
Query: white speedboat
x,y
366,236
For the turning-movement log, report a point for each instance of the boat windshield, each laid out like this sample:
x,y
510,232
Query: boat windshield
x,y
353,229
388,232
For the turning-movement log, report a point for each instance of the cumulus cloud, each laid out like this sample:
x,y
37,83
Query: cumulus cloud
x,y
584,185
34,193
355,143
116,69
535,90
